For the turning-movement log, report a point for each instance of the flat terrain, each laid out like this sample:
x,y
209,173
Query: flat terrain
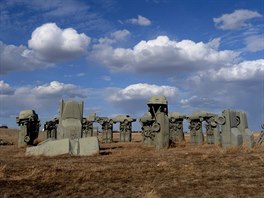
x,y
133,170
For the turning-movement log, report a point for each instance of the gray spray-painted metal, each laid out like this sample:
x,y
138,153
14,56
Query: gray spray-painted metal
x,y
146,122
248,138
29,127
176,127
50,129
107,128
21,136
158,108
88,126
50,147
80,147
231,135
260,138
125,127
212,127
196,132
70,120
88,146
95,131
91,117
212,132
69,134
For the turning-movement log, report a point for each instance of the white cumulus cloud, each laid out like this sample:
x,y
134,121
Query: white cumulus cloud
x,y
142,91
238,87
5,88
133,98
163,55
120,34
140,20
52,43
48,45
235,20
200,102
43,98
56,88
246,70
19,58
254,43
115,37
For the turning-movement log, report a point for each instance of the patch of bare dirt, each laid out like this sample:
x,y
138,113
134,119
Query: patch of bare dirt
x,y
134,170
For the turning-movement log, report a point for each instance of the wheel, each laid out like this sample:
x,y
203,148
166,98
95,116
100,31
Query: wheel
x,y
26,138
155,127
220,120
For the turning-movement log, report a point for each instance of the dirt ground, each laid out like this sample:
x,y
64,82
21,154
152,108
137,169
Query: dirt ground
x,y
133,170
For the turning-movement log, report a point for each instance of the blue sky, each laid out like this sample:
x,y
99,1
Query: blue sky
x,y
202,55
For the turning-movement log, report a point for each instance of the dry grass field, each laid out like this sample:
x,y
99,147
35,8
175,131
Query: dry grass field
x,y
133,170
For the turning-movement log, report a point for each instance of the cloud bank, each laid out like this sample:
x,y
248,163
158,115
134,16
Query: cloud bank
x,y
54,44
19,58
5,88
48,45
255,43
236,20
133,98
164,55
241,72
142,91
43,98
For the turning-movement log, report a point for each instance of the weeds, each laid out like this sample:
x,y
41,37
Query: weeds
x,y
133,170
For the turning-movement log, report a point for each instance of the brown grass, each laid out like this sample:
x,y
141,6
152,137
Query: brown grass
x,y
133,170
